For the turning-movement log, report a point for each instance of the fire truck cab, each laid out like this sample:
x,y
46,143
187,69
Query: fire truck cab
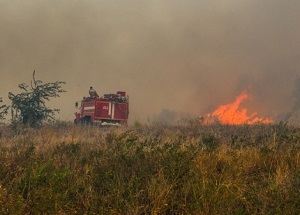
x,y
110,109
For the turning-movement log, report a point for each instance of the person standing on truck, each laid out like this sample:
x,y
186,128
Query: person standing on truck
x,y
93,93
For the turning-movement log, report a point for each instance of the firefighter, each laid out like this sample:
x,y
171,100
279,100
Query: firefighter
x,y
93,93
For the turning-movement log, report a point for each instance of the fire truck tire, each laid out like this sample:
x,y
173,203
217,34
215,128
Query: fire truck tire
x,y
86,120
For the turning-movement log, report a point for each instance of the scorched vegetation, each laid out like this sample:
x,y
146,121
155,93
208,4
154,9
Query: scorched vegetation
x,y
147,169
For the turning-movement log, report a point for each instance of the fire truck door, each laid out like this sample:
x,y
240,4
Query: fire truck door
x,y
103,109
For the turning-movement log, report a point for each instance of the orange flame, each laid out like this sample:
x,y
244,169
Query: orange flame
x,y
233,114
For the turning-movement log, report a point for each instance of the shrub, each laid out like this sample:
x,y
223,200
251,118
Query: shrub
x,y
29,106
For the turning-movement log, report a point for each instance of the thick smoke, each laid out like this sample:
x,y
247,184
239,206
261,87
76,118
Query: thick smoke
x,y
184,56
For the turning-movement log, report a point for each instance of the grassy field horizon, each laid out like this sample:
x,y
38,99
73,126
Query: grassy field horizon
x,y
150,169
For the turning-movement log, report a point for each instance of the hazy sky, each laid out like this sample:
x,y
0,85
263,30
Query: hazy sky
x,y
187,56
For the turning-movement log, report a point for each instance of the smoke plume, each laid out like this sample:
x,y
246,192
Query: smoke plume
x,y
187,56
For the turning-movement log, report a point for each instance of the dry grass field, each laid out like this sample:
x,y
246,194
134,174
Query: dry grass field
x,y
150,169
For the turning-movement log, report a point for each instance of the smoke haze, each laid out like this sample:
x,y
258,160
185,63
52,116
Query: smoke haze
x,y
188,56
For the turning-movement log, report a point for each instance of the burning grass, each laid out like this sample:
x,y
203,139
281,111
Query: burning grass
x,y
194,169
233,114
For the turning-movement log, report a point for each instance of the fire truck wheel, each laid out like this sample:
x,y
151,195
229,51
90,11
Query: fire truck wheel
x,y
85,121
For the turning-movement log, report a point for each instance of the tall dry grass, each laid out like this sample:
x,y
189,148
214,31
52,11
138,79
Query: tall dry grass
x,y
186,169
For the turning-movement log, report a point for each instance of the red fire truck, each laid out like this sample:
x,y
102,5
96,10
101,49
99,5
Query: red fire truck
x,y
110,109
